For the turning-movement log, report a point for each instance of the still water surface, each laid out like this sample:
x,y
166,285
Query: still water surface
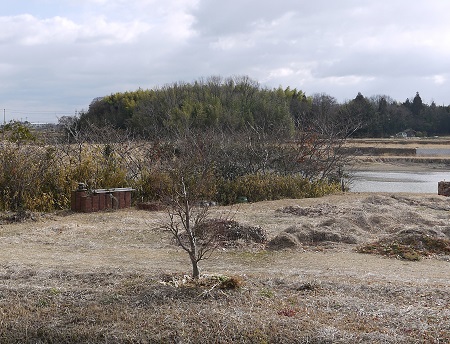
x,y
432,151
385,181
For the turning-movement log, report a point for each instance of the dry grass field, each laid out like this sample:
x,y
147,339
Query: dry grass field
x,y
116,277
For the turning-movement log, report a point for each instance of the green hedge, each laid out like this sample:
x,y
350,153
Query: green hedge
x,y
259,187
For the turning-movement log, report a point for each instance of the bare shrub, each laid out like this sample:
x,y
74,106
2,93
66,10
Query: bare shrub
x,y
227,233
409,245
316,211
283,241
310,236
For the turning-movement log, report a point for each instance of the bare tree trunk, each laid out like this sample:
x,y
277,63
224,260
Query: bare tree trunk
x,y
195,269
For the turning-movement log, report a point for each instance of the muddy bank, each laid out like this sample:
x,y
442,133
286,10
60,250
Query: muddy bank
x,y
414,154
401,164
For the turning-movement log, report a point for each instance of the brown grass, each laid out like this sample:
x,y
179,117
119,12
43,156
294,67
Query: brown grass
x,y
115,277
410,245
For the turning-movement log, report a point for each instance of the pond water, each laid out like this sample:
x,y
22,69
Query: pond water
x,y
386,181
432,151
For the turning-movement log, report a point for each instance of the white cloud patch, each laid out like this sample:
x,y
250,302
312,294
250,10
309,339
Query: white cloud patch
x,y
281,72
31,31
348,80
439,79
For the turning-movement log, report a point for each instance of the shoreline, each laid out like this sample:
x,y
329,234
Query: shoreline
x,y
392,165
394,159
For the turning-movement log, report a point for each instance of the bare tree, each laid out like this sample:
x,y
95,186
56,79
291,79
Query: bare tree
x,y
317,150
188,223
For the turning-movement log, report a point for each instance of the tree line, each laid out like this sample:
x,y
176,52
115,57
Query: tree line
x,y
220,138
237,103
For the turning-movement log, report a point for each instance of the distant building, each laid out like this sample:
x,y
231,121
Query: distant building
x,y
41,126
406,133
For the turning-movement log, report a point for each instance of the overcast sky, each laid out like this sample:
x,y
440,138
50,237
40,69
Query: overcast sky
x,y
57,55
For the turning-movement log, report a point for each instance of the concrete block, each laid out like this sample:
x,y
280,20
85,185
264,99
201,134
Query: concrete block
x,y
444,188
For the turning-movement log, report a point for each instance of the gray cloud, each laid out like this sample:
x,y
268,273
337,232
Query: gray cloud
x,y
57,59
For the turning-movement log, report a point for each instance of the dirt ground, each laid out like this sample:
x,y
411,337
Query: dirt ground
x,y
133,238
309,279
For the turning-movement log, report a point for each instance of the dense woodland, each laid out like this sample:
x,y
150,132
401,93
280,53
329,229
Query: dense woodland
x,y
233,104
